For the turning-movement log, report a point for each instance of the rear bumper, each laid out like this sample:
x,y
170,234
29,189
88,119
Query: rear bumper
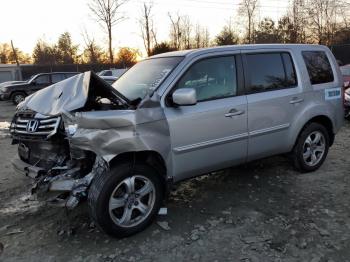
x,y
26,169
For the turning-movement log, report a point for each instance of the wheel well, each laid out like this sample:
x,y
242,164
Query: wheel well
x,y
152,158
17,92
326,122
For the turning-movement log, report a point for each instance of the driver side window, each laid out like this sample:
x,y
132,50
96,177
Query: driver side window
x,y
43,79
212,78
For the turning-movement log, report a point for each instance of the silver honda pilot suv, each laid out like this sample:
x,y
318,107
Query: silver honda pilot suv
x,y
174,116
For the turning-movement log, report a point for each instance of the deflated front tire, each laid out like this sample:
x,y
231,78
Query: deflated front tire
x,y
125,199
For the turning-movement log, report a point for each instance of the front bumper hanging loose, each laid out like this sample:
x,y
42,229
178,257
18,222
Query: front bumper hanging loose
x,y
65,182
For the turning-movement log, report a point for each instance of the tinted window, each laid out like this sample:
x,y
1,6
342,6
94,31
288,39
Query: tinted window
x,y
107,73
291,79
69,75
318,67
212,78
44,79
57,78
270,71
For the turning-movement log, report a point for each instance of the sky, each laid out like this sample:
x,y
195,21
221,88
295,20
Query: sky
x,y
26,21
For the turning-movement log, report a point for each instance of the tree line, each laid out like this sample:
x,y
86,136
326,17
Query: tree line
x,y
306,21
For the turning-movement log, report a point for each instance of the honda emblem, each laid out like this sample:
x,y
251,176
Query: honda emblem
x,y
32,126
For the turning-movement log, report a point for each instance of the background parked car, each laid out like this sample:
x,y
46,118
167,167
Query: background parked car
x,y
112,72
345,71
17,91
109,79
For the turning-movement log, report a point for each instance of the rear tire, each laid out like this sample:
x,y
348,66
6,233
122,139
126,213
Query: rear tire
x,y
116,208
311,148
17,97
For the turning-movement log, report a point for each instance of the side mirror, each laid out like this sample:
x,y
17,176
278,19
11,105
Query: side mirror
x,y
185,97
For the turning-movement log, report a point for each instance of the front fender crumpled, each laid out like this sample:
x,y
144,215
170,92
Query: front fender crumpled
x,y
110,133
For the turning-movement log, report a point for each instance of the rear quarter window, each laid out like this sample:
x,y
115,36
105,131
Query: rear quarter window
x,y
318,67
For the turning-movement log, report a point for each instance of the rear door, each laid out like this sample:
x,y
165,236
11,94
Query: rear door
x,y
274,100
213,133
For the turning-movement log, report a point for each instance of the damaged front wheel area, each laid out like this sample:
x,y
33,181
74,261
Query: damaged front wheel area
x,y
125,199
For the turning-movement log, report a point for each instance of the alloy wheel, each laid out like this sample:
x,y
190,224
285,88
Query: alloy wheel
x,y
18,99
314,148
132,201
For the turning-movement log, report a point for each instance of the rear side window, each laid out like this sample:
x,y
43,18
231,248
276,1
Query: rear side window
x,y
270,71
43,79
69,75
318,67
57,78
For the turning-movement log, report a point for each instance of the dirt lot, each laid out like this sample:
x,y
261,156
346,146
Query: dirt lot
x,y
264,211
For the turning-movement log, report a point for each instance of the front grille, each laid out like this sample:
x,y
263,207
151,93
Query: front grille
x,y
29,124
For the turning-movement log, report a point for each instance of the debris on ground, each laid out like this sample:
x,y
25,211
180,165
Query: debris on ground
x,y
14,232
164,225
163,211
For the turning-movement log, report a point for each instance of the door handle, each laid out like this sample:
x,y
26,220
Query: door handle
x,y
234,112
296,100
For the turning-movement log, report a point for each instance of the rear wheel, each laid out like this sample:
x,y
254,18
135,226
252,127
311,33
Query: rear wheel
x,y
124,200
17,97
311,148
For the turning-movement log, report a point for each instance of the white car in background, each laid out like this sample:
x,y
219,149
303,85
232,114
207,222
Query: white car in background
x,y
112,72
109,79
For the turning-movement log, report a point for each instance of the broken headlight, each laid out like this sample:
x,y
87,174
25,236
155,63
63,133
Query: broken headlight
x,y
71,129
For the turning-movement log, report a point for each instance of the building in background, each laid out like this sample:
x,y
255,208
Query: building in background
x,y
9,72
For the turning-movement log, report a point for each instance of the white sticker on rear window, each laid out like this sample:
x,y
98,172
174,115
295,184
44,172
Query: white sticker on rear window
x,y
332,93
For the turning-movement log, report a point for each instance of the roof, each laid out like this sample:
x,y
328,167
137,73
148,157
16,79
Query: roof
x,y
236,47
47,73
8,65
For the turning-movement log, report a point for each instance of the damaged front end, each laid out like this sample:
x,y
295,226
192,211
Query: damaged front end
x,y
43,127
45,155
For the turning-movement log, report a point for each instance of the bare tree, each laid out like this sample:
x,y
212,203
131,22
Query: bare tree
x,y
299,20
148,32
92,53
201,37
175,30
107,13
325,19
181,31
186,31
249,9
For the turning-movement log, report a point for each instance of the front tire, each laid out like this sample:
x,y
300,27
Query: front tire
x,y
17,97
311,148
124,200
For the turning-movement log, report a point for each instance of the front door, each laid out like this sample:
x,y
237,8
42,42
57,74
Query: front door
x,y
213,133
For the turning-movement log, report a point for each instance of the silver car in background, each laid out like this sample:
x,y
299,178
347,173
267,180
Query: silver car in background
x,y
174,116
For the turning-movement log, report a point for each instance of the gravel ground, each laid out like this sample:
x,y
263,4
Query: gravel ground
x,y
263,211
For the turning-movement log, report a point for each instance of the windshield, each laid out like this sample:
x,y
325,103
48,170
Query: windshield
x,y
145,76
31,78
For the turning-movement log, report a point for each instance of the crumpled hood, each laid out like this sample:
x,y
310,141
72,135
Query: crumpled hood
x,y
64,96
